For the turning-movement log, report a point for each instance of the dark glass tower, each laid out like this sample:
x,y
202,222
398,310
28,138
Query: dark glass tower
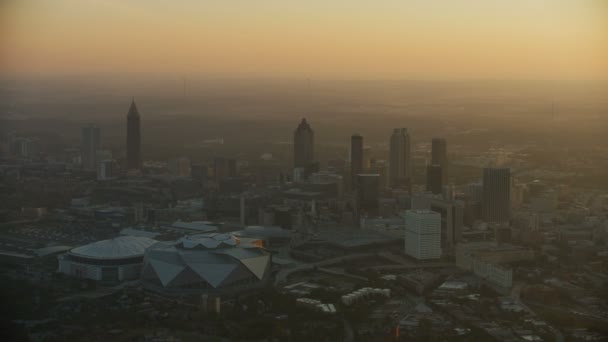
x,y
91,144
496,194
356,157
303,145
439,156
368,193
433,179
133,138
400,163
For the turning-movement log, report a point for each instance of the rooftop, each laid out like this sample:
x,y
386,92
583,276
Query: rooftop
x,y
116,248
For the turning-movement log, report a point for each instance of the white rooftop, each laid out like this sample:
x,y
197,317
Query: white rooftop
x,y
116,248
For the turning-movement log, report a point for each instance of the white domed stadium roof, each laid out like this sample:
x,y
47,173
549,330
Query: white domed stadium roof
x,y
117,248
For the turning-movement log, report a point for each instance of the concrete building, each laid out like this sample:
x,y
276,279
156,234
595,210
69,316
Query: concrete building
x,y
423,234
494,273
90,144
356,158
224,168
393,226
106,169
199,172
327,181
179,167
380,167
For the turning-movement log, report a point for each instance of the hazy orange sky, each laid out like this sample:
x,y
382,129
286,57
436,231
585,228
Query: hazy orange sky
x,y
355,39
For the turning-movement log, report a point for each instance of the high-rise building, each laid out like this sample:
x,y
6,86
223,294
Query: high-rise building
x,y
496,194
199,172
224,168
91,143
434,182
106,169
367,158
380,167
439,156
303,145
368,193
356,157
423,234
452,220
400,171
133,138
179,167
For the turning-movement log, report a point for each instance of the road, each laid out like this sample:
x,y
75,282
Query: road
x,y
284,273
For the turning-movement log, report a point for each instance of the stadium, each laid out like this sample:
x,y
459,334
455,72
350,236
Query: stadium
x,y
206,263
110,260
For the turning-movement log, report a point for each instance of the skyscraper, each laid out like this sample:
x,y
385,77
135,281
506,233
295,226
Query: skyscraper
x,y
91,143
224,168
303,145
179,167
368,193
439,156
356,157
400,171
423,234
434,182
133,138
496,194
452,216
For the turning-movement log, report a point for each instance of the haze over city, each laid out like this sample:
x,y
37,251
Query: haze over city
x,y
294,171
498,39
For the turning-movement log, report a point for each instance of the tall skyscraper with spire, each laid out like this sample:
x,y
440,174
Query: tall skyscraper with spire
x,y
303,145
133,138
400,159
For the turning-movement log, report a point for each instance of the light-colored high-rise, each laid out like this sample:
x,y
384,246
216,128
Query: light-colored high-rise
x,y
423,234
400,171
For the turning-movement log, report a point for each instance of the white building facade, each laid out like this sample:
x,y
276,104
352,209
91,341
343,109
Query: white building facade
x,y
423,234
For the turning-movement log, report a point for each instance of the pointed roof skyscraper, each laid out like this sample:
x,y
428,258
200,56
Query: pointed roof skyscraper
x,y
303,142
133,109
133,138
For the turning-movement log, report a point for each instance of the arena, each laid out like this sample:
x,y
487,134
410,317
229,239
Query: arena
x,y
206,263
110,260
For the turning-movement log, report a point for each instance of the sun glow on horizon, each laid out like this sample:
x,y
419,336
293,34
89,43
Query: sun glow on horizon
x,y
499,39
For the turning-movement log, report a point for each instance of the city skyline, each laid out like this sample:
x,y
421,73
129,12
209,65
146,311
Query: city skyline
x,y
417,170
